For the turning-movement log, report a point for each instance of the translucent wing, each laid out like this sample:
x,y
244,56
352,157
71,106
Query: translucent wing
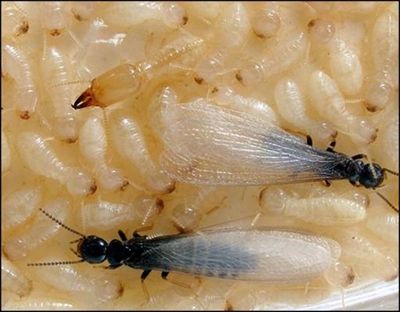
x,y
267,255
209,144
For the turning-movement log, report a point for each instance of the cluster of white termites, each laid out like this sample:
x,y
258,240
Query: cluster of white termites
x,y
324,69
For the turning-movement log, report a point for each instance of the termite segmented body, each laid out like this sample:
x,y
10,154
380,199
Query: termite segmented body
x,y
93,147
14,22
41,159
130,143
227,97
328,209
107,215
384,80
13,280
19,206
291,105
126,81
57,69
345,67
265,20
41,230
5,153
329,102
279,58
232,26
18,65
172,14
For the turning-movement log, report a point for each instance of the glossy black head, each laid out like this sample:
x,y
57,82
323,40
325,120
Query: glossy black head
x,y
92,249
372,175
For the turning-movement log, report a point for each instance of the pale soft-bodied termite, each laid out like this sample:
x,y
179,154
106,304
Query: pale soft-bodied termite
x,y
366,255
264,254
329,102
290,102
227,97
232,26
130,143
13,280
17,63
107,215
57,69
97,286
41,159
82,10
287,52
19,206
5,153
210,67
14,22
390,142
207,11
321,30
124,14
385,226
56,19
327,209
93,144
345,67
39,232
265,19
127,80
384,79
186,216
213,145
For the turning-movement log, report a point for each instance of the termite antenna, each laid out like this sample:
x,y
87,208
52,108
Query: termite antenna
x,y
71,83
60,223
55,263
390,171
387,201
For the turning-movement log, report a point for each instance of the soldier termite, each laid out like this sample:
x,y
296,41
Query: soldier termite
x,y
212,145
127,80
265,254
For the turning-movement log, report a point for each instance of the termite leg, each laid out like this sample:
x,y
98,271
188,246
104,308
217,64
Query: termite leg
x,y
358,156
113,266
309,141
144,275
326,183
331,147
164,275
146,293
122,235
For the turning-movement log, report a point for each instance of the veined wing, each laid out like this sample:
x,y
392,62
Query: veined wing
x,y
209,144
267,255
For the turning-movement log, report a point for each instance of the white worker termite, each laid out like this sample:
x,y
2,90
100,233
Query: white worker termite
x,y
19,206
327,209
172,14
40,231
290,102
93,144
56,20
265,19
57,69
17,64
329,102
14,20
127,80
279,58
264,254
13,280
214,145
107,215
41,159
227,97
384,79
5,153
130,143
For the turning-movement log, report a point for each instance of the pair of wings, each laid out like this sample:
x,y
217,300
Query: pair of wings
x,y
214,145
266,254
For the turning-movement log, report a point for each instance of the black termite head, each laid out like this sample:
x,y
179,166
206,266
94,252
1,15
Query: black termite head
x,y
93,249
368,175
